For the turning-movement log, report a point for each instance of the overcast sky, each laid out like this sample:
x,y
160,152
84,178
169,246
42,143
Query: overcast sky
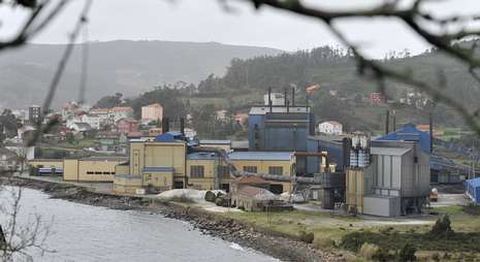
x,y
206,21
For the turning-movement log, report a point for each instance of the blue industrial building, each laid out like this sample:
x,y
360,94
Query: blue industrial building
x,y
409,132
473,189
279,128
337,148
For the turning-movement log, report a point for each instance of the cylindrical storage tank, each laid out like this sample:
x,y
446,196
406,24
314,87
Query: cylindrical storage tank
x,y
361,159
353,158
328,201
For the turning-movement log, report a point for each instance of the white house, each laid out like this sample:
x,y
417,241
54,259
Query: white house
x,y
92,119
278,99
330,128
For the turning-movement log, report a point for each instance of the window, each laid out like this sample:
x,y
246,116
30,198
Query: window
x,y
90,173
223,172
98,173
275,170
250,169
197,171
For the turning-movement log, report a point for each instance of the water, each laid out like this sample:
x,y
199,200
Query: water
x,y
88,233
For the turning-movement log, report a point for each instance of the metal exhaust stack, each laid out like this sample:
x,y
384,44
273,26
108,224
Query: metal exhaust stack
x,y
430,120
387,122
285,96
270,98
288,106
182,125
293,96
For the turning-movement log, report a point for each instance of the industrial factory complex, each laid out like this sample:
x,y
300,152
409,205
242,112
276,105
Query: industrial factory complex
x,y
384,176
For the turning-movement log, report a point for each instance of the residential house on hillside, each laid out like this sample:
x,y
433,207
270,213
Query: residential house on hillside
x,y
376,98
119,112
80,127
153,112
330,128
127,126
9,161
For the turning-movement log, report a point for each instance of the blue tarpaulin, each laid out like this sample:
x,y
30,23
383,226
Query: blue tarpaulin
x,y
472,187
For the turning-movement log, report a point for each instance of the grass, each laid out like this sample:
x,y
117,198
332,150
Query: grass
x,y
330,231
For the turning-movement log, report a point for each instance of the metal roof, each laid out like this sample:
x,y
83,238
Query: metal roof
x,y
391,151
203,156
215,142
260,155
409,132
158,169
172,136
262,110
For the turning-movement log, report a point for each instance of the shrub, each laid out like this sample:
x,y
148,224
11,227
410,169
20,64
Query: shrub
x,y
368,251
442,227
307,237
407,253
354,241
323,243
383,255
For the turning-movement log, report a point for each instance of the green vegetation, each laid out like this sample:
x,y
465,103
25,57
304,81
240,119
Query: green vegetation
x,y
451,237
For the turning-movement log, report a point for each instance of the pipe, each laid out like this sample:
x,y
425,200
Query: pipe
x,y
387,123
430,120
288,106
293,96
182,125
394,120
285,96
270,98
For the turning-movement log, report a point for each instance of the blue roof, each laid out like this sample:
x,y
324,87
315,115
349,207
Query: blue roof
x,y
158,169
259,155
409,132
172,136
203,156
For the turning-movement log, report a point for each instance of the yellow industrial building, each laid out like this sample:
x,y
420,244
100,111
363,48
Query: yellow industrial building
x,y
165,163
95,169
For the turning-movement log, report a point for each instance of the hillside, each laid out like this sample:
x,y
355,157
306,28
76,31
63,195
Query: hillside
x,y
128,67
247,80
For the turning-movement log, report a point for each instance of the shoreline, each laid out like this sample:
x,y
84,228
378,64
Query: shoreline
x,y
279,246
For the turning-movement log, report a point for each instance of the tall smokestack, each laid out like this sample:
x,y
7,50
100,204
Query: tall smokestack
x,y
165,125
394,120
387,122
182,125
293,96
285,96
430,120
306,104
270,98
288,106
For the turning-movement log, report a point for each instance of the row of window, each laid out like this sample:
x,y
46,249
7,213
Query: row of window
x,y
199,171
272,170
100,173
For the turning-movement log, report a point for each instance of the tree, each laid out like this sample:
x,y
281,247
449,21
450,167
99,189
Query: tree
x,y
109,101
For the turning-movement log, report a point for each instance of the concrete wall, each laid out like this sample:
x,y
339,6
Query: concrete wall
x,y
125,184
381,206
160,180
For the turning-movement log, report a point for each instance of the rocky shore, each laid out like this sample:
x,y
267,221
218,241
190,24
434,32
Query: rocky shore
x,y
282,247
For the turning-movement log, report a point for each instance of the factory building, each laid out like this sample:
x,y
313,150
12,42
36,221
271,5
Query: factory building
x,y
337,148
389,176
93,169
169,162
281,128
